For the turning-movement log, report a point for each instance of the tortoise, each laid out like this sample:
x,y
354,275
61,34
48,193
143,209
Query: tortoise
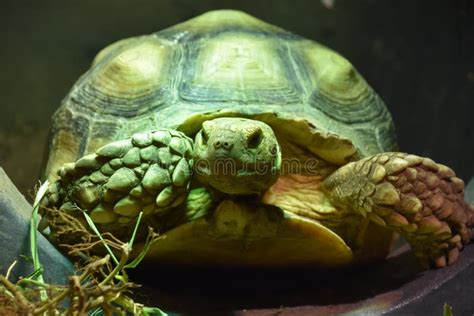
x,y
246,145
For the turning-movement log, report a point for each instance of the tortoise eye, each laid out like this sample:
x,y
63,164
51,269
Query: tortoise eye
x,y
204,135
255,138
273,150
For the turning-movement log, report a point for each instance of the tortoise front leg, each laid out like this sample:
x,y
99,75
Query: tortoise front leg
x,y
148,172
414,196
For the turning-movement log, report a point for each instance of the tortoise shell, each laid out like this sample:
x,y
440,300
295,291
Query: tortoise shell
x,y
222,63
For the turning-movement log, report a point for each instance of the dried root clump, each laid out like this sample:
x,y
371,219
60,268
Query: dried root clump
x,y
99,285
82,295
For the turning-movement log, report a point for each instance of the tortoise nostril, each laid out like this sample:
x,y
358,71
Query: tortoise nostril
x,y
223,144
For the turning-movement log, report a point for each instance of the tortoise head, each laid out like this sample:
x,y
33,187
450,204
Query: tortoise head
x,y
237,155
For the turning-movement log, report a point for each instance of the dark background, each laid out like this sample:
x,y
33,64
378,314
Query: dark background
x,y
418,55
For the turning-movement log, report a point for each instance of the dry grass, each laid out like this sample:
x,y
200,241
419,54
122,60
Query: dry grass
x,y
99,286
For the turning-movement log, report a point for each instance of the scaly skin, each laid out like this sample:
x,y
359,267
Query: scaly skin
x,y
150,172
414,196
237,156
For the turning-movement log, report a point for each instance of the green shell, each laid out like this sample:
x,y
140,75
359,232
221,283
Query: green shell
x,y
222,63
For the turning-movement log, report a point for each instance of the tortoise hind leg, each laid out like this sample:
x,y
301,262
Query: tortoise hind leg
x,y
414,196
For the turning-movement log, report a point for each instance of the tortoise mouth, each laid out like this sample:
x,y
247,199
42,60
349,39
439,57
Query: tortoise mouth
x,y
232,167
248,178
